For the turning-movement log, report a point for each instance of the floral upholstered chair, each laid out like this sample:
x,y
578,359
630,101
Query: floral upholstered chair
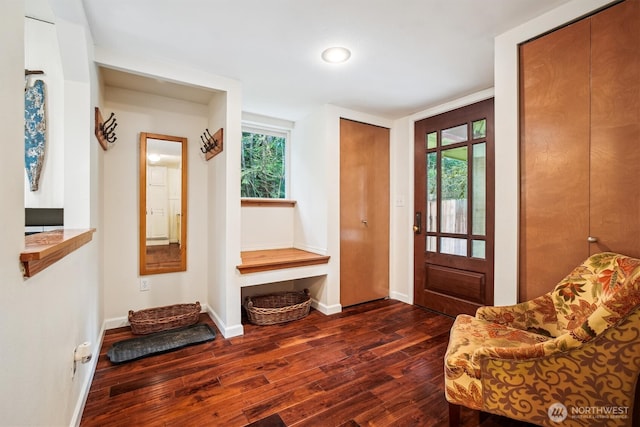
x,y
568,358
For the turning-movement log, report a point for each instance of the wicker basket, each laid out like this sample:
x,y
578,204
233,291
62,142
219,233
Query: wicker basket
x,y
278,307
163,318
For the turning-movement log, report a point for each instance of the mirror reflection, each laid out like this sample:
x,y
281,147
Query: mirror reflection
x,y
163,203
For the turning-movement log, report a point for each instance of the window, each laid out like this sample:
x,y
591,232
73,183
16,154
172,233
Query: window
x,y
456,182
264,163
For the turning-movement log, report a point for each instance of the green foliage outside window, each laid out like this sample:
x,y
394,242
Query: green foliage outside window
x,y
454,179
263,168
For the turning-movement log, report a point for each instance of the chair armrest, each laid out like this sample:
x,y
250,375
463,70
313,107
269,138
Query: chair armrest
x,y
554,346
537,315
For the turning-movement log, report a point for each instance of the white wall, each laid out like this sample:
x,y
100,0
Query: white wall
x,y
267,227
506,139
224,207
310,167
142,112
43,53
45,317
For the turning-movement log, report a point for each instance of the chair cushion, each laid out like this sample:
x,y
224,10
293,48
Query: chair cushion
x,y
590,285
462,370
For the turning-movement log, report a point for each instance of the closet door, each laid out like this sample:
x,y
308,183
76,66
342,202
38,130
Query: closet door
x,y
615,129
364,212
554,157
580,145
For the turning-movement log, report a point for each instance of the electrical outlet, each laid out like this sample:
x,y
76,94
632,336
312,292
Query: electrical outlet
x,y
145,284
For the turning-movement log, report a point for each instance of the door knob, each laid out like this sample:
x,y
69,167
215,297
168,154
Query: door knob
x,y
417,225
592,239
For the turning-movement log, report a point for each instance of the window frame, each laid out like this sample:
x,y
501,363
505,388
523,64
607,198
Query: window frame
x,y
281,132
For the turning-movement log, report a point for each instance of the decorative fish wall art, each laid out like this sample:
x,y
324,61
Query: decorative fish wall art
x,y
35,128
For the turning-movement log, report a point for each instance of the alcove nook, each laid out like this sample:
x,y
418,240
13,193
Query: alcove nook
x,y
222,230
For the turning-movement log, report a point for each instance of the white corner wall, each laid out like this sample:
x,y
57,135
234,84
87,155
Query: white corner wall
x,y
223,177
45,317
506,139
310,168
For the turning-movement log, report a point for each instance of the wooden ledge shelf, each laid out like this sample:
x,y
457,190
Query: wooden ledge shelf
x,y
43,249
273,203
276,259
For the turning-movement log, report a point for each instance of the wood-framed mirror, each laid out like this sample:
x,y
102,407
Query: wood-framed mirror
x,y
163,203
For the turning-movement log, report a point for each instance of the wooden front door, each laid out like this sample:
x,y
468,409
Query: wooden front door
x,y
364,212
454,198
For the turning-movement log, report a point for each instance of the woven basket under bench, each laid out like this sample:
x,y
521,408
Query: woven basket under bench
x,y
277,307
163,318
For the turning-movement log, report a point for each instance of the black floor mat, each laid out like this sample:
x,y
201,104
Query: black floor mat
x,y
159,342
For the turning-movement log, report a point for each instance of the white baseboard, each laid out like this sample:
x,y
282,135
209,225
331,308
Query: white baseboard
x,y
76,417
326,309
116,322
401,297
226,331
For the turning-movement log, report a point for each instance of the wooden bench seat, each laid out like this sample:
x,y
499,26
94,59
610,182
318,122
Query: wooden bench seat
x,y
276,259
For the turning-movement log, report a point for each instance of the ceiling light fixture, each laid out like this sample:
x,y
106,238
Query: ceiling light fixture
x,y
336,55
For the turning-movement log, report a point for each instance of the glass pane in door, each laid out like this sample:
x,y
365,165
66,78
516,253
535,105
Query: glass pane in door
x,y
431,243
453,204
454,135
479,195
478,248
432,140
479,129
432,191
453,246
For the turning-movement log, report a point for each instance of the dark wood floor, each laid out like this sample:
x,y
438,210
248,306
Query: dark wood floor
x,y
166,256
376,364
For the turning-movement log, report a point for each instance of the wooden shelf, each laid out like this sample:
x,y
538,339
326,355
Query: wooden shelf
x,y
276,259
43,249
276,203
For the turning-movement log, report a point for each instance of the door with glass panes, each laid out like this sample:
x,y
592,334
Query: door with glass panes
x,y
454,220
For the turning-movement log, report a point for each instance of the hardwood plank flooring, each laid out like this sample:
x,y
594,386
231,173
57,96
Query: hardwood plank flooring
x,y
375,364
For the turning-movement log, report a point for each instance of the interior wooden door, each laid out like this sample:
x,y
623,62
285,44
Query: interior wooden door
x,y
554,157
454,198
364,212
615,130
580,121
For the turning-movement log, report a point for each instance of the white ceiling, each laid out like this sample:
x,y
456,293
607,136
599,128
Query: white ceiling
x,y
407,55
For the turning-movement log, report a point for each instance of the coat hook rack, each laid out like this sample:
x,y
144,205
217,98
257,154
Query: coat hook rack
x,y
211,144
30,72
105,129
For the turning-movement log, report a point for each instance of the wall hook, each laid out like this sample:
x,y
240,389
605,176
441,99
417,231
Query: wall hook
x,y
211,144
105,130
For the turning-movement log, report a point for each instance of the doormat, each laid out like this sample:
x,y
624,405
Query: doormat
x,y
159,342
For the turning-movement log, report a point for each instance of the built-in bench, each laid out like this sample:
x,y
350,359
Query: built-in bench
x,y
274,265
